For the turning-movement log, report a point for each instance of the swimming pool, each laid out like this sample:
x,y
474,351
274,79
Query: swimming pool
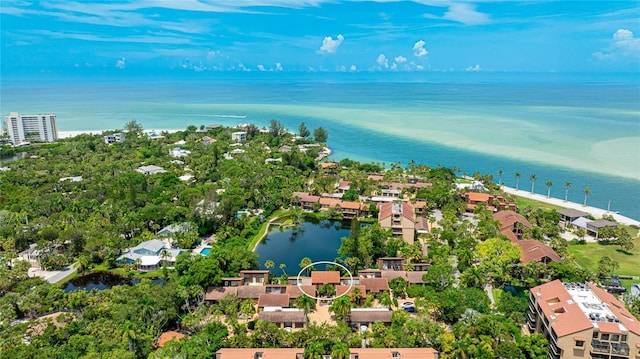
x,y
205,251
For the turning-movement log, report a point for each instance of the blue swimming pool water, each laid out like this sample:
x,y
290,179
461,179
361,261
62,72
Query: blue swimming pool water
x,y
205,251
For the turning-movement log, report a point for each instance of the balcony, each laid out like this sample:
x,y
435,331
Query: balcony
x,y
599,347
620,348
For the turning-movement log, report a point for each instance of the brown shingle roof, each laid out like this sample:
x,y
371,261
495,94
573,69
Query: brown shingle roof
x,y
294,316
250,291
375,285
370,316
349,205
325,277
305,197
342,289
273,300
218,293
387,353
295,292
415,277
390,274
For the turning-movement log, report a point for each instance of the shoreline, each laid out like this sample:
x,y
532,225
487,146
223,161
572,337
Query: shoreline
x,y
594,211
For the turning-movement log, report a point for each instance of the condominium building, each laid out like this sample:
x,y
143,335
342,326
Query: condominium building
x,y
31,128
581,320
400,218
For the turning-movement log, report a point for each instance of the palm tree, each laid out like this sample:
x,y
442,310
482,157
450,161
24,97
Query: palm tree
x,y
356,295
586,191
269,264
517,179
305,262
340,350
129,334
500,173
314,350
533,179
549,184
305,303
282,267
566,190
341,308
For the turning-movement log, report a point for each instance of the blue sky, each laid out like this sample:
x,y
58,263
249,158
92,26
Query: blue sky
x,y
319,35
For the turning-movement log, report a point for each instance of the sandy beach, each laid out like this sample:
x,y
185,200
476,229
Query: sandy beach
x,y
596,212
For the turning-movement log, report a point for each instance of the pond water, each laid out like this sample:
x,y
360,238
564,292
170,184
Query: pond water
x,y
100,281
318,240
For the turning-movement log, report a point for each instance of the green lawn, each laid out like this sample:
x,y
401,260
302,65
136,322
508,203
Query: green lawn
x,y
526,202
587,255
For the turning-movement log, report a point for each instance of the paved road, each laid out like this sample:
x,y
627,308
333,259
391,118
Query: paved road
x,y
596,212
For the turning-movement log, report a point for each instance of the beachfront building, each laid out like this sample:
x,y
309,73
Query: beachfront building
x,y
581,320
31,128
114,138
400,218
239,136
512,224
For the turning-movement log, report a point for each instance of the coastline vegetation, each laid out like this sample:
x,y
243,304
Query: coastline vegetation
x,y
236,188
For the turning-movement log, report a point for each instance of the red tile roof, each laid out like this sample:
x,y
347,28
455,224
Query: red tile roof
x,y
295,292
169,336
508,218
555,300
350,205
618,309
534,251
342,289
325,277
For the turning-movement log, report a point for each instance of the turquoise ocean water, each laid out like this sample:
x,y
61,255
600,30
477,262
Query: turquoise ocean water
x,y
576,128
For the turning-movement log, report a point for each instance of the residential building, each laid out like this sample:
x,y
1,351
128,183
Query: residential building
x,y
150,255
512,224
298,353
31,128
179,152
304,200
581,320
239,136
592,227
492,202
288,319
536,251
568,215
168,337
400,218
150,170
114,137
363,318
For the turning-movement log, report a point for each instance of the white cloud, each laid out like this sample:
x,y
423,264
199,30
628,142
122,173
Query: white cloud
x,y
382,61
400,59
419,50
394,67
343,68
623,45
475,68
278,66
353,68
121,63
261,67
461,12
466,14
624,40
419,67
329,45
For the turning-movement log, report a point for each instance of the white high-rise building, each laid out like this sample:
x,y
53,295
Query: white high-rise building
x,y
31,128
